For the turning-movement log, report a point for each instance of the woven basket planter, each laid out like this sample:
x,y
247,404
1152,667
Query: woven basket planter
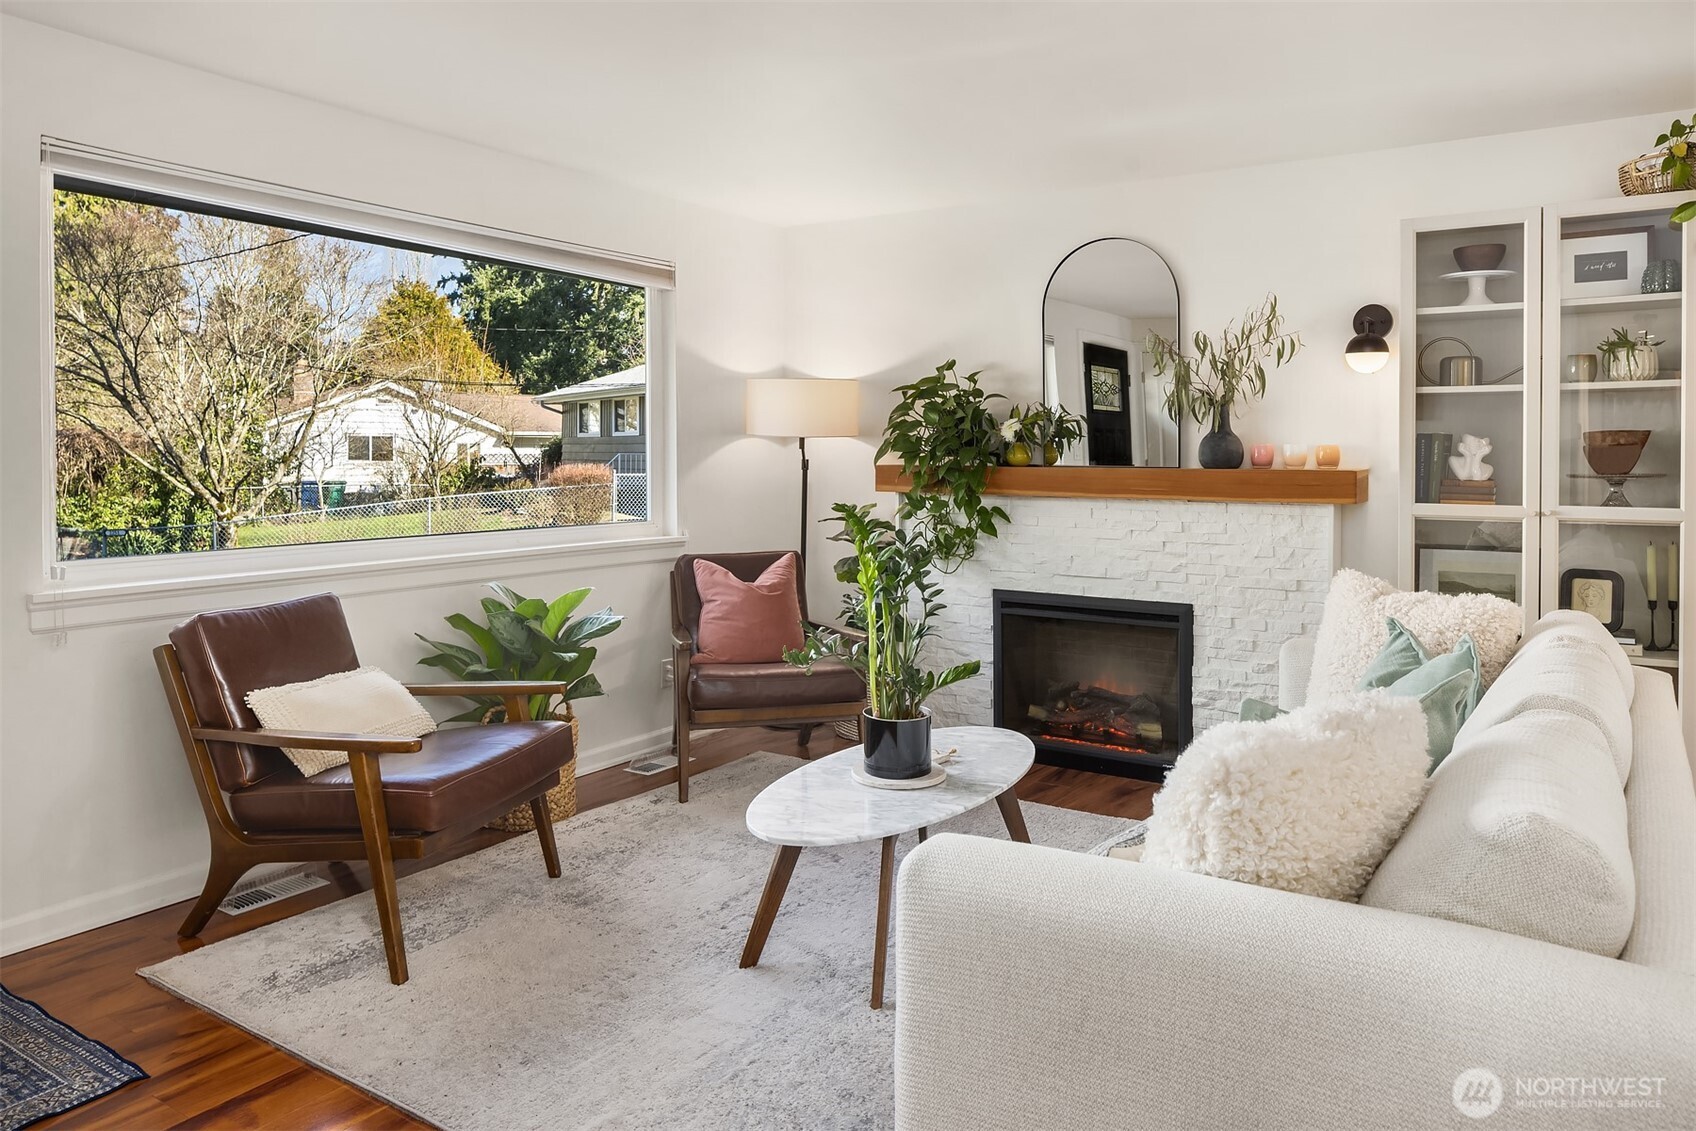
x,y
1642,176
562,798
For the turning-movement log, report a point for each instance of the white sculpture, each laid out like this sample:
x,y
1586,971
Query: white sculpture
x,y
1470,465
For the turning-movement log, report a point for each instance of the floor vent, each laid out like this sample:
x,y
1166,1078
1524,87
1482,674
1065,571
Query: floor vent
x,y
251,894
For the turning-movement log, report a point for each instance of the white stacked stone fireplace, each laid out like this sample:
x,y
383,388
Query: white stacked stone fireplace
x,y
1255,575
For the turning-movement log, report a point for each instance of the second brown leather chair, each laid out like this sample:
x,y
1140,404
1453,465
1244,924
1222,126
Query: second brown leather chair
x,y
748,695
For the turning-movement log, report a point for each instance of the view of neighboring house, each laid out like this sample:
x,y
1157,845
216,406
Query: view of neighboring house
x,y
378,435
601,418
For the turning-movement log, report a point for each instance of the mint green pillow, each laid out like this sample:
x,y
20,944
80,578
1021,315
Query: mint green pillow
x,y
1447,686
1258,711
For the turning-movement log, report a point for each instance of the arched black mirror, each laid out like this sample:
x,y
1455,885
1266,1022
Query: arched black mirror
x,y
1102,303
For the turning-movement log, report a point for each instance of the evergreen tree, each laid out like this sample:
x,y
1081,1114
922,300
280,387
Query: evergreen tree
x,y
551,330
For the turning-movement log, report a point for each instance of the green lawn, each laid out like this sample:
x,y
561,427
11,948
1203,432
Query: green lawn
x,y
335,528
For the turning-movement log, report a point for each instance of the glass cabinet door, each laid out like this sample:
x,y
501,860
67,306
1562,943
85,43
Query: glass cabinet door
x,y
1614,361
1470,470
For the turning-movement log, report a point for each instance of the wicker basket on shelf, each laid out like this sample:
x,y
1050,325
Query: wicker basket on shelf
x,y
562,798
1642,176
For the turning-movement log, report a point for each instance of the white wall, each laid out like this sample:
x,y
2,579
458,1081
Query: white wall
x,y
97,816
885,299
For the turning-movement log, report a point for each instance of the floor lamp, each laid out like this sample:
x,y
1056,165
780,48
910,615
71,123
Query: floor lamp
x,y
802,407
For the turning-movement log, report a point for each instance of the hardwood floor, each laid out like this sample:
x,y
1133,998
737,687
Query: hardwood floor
x,y
207,1073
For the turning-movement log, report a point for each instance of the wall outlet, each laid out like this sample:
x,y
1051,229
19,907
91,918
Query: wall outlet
x,y
666,674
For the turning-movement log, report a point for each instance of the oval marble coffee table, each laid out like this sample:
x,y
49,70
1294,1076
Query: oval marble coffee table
x,y
821,804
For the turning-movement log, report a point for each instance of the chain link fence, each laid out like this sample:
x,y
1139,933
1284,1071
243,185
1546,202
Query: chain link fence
x,y
623,499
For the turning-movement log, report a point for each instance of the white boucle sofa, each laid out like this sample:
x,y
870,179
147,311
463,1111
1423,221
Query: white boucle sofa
x,y
1052,990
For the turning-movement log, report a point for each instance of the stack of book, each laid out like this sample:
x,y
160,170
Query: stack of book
x,y
1628,641
1467,491
1430,463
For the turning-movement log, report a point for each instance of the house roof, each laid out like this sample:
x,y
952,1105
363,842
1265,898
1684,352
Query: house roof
x,y
508,410
493,412
630,380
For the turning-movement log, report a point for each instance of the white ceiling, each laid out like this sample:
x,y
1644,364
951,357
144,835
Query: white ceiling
x,y
794,113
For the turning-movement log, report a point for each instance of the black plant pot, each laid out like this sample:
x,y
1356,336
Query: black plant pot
x,y
897,749
1221,447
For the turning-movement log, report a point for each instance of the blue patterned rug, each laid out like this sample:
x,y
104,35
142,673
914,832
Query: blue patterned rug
x,y
47,1067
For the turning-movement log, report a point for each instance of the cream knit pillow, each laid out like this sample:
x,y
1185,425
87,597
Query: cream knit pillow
x,y
362,701
1308,802
1524,831
1353,629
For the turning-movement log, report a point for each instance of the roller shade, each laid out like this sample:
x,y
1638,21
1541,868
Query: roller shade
x,y
85,168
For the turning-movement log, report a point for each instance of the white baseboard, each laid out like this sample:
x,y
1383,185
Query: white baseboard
x,y
619,753
97,909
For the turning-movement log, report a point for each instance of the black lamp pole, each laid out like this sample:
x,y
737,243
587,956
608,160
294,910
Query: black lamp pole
x,y
805,465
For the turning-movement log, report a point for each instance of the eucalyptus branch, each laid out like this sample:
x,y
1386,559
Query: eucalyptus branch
x,y
1221,372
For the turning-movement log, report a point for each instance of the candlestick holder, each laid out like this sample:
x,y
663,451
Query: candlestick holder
x,y
1672,634
1652,646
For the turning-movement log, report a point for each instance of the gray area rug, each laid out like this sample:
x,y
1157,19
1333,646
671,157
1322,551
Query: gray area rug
x,y
609,998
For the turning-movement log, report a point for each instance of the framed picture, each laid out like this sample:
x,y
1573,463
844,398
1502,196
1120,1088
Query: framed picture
x,y
1455,572
1106,388
1610,263
1599,592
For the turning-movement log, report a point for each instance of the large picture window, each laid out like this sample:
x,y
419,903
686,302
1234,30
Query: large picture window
x,y
226,380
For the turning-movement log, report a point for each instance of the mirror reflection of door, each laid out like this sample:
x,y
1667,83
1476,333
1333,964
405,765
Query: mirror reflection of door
x,y
1107,378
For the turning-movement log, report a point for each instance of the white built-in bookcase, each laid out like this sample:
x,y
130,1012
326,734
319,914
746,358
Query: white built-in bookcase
x,y
1547,511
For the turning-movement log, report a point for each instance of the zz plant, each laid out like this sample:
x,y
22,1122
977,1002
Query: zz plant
x,y
896,599
947,440
526,638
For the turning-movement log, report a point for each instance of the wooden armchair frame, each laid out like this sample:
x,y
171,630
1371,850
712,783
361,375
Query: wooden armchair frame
x,y
685,715
235,850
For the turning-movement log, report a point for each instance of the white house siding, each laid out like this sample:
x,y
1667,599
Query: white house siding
x,y
326,455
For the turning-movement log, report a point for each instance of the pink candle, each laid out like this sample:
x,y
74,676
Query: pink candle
x,y
1260,455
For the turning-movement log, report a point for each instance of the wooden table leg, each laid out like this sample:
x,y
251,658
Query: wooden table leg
x,y
766,914
885,892
923,833
1008,801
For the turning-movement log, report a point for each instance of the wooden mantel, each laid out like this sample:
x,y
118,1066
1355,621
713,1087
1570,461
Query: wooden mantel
x,y
1335,486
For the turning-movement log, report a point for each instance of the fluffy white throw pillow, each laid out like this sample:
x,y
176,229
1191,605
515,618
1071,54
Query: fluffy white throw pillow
x,y
362,701
1353,629
1308,802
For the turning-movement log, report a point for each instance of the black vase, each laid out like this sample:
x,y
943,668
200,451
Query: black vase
x,y
897,749
1221,447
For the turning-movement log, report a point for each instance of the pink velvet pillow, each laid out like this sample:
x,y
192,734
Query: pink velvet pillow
x,y
746,622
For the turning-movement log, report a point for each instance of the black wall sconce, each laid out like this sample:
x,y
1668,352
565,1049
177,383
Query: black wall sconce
x,y
1367,351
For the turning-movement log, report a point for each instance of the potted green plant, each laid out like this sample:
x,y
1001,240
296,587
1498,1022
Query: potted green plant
x,y
1206,385
1678,163
1625,358
946,437
527,638
1039,432
897,598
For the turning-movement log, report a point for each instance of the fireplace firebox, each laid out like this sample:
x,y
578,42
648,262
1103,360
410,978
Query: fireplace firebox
x,y
1097,683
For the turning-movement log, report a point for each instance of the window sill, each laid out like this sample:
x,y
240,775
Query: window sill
x,y
70,605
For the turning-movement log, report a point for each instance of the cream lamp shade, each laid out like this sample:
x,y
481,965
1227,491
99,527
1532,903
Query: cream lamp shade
x,y
802,407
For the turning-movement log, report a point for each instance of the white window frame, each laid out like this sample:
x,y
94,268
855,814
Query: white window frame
x,y
578,411
98,587
628,412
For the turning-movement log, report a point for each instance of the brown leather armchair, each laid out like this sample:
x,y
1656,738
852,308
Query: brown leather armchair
x,y
396,797
748,695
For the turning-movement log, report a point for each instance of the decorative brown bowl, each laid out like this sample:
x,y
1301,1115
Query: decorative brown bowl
x,y
1615,452
1481,256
